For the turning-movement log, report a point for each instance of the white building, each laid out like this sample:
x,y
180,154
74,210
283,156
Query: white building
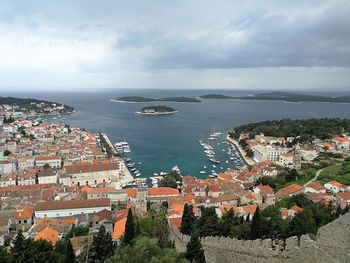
x,y
93,174
70,208
334,186
53,161
7,167
47,176
263,153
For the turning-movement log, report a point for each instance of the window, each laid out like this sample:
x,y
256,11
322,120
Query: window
x,y
87,182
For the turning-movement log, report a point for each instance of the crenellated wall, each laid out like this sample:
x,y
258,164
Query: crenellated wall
x,y
332,245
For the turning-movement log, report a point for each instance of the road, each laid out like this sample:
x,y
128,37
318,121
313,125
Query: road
x,y
316,176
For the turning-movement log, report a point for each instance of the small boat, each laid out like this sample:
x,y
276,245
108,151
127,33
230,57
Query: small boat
x,y
213,171
214,166
138,174
139,163
155,174
202,172
211,176
133,169
163,173
214,160
226,161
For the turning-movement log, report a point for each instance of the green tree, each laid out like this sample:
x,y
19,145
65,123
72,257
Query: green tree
x,y
129,228
208,224
145,250
194,250
101,247
227,221
302,223
255,225
188,220
70,255
7,152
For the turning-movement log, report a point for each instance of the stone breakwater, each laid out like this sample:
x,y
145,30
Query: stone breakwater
x,y
332,245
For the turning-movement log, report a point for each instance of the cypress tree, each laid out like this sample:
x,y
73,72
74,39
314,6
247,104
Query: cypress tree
x,y
194,250
188,220
129,228
70,256
255,226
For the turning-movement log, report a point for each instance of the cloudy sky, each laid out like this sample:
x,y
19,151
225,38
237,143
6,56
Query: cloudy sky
x,y
299,44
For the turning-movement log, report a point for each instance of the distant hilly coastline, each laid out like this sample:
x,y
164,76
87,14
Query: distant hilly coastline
x,y
138,99
283,96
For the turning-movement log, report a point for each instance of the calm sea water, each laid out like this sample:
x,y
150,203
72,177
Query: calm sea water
x,y
160,142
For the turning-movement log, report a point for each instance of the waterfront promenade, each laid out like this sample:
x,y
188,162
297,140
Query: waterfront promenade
x,y
241,151
127,177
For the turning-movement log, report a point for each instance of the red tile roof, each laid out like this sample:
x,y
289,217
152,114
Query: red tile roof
x,y
48,234
162,191
119,228
290,189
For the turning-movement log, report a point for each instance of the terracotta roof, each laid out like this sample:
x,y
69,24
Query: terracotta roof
x,y
296,208
25,213
344,196
266,189
340,139
162,191
68,221
290,189
131,192
175,221
335,183
46,158
119,228
249,209
48,234
97,190
75,169
57,205
316,186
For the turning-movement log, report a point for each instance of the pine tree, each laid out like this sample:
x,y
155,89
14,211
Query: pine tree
x,y
255,226
188,220
102,246
228,220
194,250
129,228
70,256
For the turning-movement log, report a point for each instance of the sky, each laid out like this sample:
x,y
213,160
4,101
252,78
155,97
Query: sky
x,y
182,44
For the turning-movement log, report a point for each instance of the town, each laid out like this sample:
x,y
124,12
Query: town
x,y
56,178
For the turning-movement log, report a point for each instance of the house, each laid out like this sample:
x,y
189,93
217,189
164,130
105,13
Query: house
x,y
53,161
289,191
341,143
48,234
24,215
308,154
115,195
343,199
315,188
267,194
48,176
56,209
286,159
26,177
9,180
7,167
334,186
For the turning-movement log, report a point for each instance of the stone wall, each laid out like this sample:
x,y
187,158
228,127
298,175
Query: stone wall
x,y
332,245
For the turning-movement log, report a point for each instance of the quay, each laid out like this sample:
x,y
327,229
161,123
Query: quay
x,y
246,159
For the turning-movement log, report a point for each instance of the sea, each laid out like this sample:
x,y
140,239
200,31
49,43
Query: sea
x,y
161,142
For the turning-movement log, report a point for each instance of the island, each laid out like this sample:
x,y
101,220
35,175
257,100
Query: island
x,y
216,96
156,110
139,99
283,96
32,107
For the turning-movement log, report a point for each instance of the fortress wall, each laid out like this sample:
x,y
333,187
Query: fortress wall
x,y
332,245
